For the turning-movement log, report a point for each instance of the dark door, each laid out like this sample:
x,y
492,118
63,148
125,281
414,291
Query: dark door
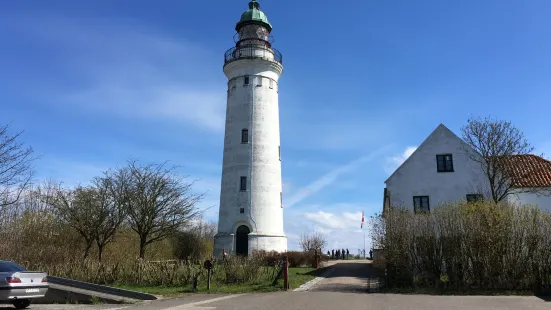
x,y
242,240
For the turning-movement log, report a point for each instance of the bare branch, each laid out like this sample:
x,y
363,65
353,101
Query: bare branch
x,y
492,144
78,209
16,171
313,241
158,201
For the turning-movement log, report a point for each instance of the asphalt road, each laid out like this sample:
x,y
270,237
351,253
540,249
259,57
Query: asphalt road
x,y
345,287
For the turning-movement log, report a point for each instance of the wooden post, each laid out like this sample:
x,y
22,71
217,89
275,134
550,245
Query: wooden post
x,y
208,265
315,259
285,273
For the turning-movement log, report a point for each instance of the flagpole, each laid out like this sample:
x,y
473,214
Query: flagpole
x,y
363,231
364,244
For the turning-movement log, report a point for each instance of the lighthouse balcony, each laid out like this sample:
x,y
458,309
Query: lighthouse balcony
x,y
252,52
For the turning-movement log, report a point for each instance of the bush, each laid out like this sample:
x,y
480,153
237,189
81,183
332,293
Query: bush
x,y
464,245
295,258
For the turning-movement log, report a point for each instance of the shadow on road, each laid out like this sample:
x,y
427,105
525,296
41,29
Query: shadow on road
x,y
544,297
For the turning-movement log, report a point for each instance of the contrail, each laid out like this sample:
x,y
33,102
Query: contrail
x,y
330,177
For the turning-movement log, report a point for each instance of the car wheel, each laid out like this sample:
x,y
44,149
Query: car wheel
x,y
22,303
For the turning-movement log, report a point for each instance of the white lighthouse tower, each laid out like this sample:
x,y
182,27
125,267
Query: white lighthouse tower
x,y
251,210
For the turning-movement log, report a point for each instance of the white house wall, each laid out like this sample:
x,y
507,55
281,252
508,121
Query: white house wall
x,y
542,201
418,175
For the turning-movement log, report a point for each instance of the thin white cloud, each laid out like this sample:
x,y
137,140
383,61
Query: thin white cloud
x,y
127,70
287,187
70,172
204,109
340,228
329,220
393,162
329,178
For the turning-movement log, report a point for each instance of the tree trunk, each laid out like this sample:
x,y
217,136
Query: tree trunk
x,y
100,251
142,247
87,249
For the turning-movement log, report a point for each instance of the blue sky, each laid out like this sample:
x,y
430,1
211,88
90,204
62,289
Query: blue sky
x,y
94,83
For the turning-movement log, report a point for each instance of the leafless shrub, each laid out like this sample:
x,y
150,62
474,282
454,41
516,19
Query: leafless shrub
x,y
195,242
479,245
31,231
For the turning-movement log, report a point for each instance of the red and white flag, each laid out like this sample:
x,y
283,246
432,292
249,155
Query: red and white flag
x,y
362,220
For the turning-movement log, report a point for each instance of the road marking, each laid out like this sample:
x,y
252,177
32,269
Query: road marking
x,y
194,305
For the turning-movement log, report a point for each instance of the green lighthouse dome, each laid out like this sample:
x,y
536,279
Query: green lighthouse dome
x,y
253,16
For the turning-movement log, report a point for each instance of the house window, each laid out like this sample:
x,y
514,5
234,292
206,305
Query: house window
x,y
242,210
243,185
246,81
272,84
244,135
474,197
444,163
421,204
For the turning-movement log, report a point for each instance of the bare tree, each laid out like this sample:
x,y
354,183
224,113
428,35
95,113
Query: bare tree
x,y
16,171
78,209
158,201
494,143
313,241
109,209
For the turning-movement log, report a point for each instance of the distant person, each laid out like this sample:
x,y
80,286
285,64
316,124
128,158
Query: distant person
x,y
370,254
333,254
347,254
328,253
343,254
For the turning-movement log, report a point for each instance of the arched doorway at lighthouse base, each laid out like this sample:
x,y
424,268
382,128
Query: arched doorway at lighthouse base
x,y
242,240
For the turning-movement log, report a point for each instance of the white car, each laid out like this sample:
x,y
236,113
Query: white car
x,y
19,286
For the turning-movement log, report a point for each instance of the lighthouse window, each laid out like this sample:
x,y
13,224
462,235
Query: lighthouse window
x,y
279,150
242,210
281,199
246,81
245,136
272,84
259,81
243,185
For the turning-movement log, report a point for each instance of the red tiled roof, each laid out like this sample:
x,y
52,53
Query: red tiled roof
x,y
529,170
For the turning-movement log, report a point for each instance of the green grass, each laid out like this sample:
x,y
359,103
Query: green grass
x,y
297,277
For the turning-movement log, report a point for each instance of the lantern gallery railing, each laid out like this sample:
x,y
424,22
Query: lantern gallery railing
x,y
255,51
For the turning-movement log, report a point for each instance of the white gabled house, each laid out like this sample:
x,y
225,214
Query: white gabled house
x,y
440,171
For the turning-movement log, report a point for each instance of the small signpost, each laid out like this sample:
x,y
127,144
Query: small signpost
x,y
208,267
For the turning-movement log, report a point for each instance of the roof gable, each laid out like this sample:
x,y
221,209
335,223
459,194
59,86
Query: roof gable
x,y
440,130
526,170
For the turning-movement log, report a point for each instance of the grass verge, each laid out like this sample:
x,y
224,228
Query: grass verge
x,y
297,277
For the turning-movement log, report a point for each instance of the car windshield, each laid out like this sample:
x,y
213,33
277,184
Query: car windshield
x,y
9,266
